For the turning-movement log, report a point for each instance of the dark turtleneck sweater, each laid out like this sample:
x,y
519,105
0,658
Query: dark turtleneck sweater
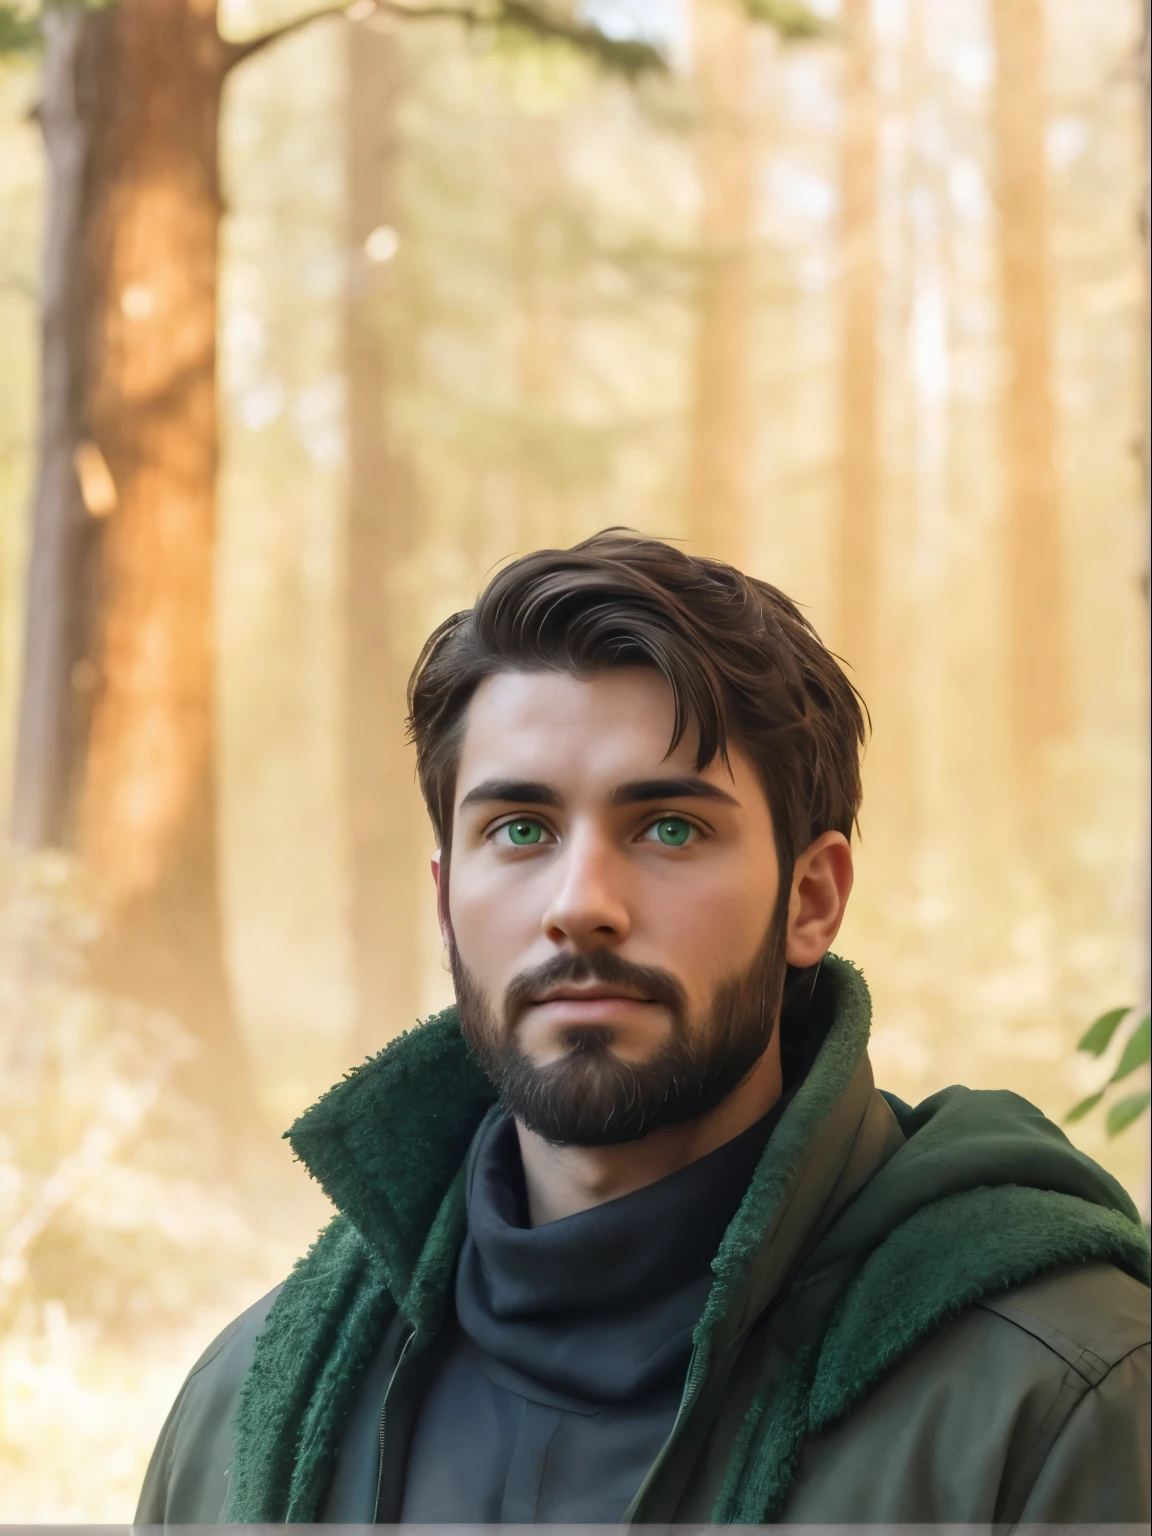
x,y
560,1381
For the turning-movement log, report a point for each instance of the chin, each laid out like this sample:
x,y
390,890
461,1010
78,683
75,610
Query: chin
x,y
621,1042
565,1039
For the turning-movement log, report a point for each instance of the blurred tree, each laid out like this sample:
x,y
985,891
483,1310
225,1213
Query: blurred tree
x,y
1035,578
722,427
115,750
856,571
385,815
73,103
115,740
546,250
721,438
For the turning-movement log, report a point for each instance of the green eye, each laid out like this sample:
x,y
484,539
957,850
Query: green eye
x,y
673,831
523,834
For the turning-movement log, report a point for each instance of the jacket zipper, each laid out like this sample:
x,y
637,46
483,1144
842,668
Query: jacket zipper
x,y
384,1422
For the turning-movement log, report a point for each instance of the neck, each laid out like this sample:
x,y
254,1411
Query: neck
x,y
564,1180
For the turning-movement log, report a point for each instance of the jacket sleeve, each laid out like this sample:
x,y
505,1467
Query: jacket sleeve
x,y
1098,1467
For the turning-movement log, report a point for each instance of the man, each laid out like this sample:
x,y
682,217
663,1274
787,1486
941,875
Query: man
x,y
628,1235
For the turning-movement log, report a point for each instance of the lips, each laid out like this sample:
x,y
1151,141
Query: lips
x,y
600,1007
590,995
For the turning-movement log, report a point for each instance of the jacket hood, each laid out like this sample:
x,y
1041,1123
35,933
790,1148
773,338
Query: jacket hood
x,y
961,1139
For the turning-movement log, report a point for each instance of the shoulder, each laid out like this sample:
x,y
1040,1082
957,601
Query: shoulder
x,y
1053,1377
1089,1316
233,1345
1083,1339
1043,1345
186,1482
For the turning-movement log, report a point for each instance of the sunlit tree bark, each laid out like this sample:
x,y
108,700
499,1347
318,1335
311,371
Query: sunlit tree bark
x,y
72,108
116,733
857,532
386,819
722,410
1038,660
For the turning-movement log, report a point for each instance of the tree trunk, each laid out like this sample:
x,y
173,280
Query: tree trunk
x,y
72,110
1039,682
386,817
856,564
131,122
722,413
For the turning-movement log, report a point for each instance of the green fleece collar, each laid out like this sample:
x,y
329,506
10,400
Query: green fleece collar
x,y
749,1263
995,1238
960,1139
386,1143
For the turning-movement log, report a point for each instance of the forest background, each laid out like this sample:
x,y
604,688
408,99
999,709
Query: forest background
x,y
305,329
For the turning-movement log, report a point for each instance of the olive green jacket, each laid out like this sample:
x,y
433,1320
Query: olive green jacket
x,y
918,1315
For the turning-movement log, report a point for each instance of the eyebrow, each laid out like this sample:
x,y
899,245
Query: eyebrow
x,y
512,792
685,787
640,792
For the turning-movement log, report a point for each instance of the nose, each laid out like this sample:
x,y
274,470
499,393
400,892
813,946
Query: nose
x,y
588,908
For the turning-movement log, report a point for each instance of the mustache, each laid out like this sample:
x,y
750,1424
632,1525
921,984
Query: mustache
x,y
602,966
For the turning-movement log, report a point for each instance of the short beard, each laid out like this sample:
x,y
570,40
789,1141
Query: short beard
x,y
592,1098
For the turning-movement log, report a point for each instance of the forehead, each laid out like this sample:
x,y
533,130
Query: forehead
x,y
562,729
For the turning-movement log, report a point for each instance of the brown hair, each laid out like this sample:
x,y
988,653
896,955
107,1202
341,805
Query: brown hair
x,y
742,661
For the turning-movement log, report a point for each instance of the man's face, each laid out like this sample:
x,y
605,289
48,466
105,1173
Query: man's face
x,y
610,911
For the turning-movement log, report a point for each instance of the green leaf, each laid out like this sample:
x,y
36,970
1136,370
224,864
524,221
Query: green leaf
x,y
1099,1036
792,19
1078,1111
1137,1052
1122,1113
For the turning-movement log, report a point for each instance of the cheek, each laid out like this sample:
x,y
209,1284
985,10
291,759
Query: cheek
x,y
489,918
710,928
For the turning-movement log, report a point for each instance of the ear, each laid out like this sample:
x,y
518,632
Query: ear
x,y
439,879
821,884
